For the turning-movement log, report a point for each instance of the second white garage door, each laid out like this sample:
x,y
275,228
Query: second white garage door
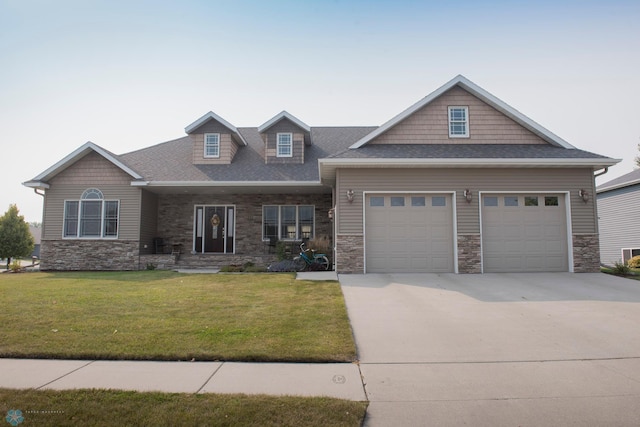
x,y
524,233
409,233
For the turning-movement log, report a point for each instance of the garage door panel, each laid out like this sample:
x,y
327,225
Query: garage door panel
x,y
416,237
525,237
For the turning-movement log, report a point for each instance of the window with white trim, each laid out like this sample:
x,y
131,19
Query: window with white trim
x,y
285,145
212,145
288,222
91,217
458,122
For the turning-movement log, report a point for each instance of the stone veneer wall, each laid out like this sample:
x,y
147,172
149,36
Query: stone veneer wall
x,y
67,255
586,253
350,253
469,253
175,217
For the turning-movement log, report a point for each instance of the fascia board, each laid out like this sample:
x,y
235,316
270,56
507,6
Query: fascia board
x,y
480,93
227,183
468,162
36,184
283,115
211,115
617,186
79,153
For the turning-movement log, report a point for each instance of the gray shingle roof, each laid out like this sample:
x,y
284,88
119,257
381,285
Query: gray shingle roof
x,y
172,160
625,180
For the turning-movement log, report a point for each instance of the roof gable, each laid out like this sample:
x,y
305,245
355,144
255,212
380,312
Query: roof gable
x,y
40,181
473,89
213,116
281,116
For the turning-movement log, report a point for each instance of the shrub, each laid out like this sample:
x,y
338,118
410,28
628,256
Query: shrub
x,y
321,244
281,250
620,268
15,266
634,262
151,266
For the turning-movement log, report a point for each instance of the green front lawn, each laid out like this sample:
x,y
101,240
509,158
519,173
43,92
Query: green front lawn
x,y
161,315
105,408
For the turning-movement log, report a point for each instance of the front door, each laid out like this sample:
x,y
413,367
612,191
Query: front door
x,y
214,229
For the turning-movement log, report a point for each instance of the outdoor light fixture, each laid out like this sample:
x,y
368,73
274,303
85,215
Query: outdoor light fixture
x,y
583,195
467,195
350,195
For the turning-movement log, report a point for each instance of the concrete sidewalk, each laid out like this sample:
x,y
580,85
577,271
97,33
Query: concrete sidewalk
x,y
340,380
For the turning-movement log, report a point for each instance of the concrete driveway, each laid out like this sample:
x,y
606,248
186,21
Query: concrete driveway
x,y
497,349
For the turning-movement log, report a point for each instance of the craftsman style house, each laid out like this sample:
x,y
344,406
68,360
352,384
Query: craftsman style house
x,y
459,182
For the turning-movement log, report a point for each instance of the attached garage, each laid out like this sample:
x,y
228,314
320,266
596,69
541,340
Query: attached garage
x,y
524,233
409,233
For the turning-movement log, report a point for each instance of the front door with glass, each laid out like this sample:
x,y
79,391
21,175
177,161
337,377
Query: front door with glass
x,y
214,229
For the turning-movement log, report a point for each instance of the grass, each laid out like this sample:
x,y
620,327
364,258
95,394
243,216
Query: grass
x,y
110,407
161,315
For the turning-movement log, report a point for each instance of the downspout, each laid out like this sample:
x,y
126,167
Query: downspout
x,y
605,170
35,190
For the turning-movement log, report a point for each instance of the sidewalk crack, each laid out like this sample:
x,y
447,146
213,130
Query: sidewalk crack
x,y
210,377
67,374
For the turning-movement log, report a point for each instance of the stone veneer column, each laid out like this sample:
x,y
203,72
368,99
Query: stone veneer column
x,y
469,253
586,253
349,253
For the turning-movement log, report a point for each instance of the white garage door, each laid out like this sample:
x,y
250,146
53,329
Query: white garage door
x,y
524,233
409,233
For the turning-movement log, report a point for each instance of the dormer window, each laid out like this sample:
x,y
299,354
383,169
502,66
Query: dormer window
x,y
212,145
458,122
285,145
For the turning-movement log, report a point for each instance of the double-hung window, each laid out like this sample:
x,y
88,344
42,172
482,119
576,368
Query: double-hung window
x,y
287,222
458,122
91,217
285,145
212,145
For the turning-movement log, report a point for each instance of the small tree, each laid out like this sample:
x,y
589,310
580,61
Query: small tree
x,y
16,240
637,159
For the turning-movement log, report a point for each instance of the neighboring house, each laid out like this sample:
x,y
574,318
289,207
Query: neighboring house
x,y
619,218
36,232
459,182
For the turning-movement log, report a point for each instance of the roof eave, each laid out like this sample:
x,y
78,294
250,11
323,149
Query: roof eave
x,y
36,184
617,186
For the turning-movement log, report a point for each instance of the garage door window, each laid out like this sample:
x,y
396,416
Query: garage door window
x,y
417,201
376,201
551,200
511,200
438,201
397,201
490,201
530,201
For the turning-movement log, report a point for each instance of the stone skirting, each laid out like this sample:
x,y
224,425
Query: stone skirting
x,y
350,253
586,253
65,255
469,253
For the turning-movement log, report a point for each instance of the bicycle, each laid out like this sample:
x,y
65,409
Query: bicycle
x,y
305,260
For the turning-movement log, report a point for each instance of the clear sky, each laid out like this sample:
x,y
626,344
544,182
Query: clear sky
x,y
130,74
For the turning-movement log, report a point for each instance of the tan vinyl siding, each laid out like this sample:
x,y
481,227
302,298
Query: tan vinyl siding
x,y
429,125
271,140
93,171
349,215
148,221
618,211
228,146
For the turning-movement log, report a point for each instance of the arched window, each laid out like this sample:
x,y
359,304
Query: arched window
x,y
92,216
